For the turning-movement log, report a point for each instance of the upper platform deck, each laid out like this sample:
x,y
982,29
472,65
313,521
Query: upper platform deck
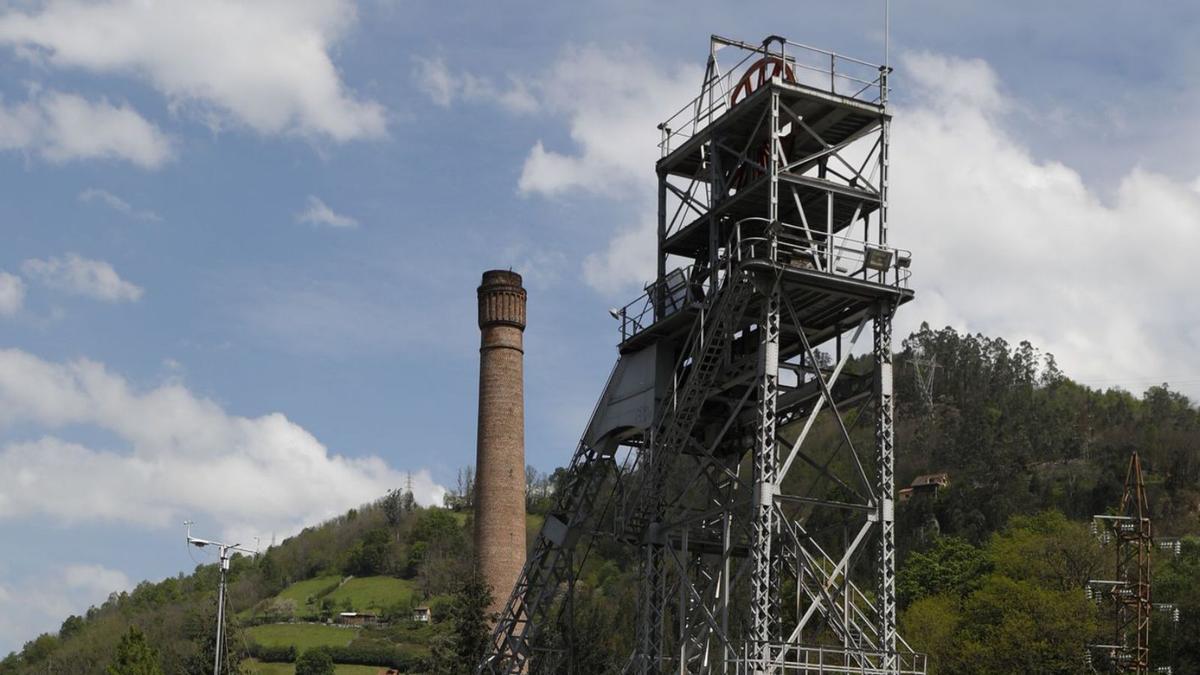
x,y
787,133
833,117
834,93
830,287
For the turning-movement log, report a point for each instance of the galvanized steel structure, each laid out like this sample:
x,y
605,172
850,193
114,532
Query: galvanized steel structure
x,y
725,448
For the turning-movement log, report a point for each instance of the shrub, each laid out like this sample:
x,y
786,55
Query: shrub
x,y
314,662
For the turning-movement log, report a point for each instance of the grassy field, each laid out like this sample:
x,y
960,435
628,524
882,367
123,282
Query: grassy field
x,y
301,591
253,667
301,635
372,593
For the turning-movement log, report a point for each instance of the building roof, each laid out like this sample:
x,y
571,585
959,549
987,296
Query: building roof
x,y
941,479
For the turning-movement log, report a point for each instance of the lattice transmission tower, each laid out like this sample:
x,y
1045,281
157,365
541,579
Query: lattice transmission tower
x,y
1127,595
751,477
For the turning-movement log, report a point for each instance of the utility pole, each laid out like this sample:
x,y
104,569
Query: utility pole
x,y
225,552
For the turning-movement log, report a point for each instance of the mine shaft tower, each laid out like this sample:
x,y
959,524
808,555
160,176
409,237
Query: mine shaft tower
x,y
731,448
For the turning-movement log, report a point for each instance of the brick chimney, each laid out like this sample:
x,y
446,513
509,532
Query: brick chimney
x,y
500,449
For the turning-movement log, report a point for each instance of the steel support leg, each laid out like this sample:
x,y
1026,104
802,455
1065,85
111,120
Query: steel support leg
x,y
650,612
762,604
885,458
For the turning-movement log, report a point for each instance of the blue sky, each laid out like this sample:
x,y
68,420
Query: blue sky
x,y
241,241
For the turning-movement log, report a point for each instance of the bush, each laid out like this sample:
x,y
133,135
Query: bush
x,y
377,655
314,662
276,654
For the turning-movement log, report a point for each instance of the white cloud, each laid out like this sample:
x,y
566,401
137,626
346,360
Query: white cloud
x,y
63,127
540,267
96,579
1020,248
263,64
39,603
77,275
445,87
12,293
612,102
1003,243
317,213
117,204
435,79
186,457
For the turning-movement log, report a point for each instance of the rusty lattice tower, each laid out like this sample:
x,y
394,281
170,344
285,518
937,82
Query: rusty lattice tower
x,y
500,448
1127,594
733,451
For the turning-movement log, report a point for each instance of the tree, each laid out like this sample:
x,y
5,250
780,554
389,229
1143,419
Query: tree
x,y
371,556
930,624
40,648
199,628
395,505
1048,550
950,565
464,646
1010,626
134,656
314,662
71,626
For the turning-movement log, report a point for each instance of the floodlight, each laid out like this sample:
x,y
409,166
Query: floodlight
x,y
878,258
903,259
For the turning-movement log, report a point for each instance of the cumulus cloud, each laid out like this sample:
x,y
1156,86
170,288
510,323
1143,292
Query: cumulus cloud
x,y
612,103
96,195
1003,243
77,275
12,293
1012,246
317,213
184,456
39,603
62,127
264,65
445,87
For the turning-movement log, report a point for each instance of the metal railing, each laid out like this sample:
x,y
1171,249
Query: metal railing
x,y
679,290
829,660
798,247
810,67
794,246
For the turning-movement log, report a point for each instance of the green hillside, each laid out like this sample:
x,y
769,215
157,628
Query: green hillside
x,y
990,576
373,594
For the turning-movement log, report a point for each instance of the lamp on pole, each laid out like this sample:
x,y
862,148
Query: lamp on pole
x,y
225,552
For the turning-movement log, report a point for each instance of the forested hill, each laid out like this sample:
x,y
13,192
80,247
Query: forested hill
x,y
991,575
1016,435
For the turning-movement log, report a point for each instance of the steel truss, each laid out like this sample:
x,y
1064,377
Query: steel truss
x,y
762,521
1127,594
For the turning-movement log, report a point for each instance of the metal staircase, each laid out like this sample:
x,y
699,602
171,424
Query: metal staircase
x,y
707,356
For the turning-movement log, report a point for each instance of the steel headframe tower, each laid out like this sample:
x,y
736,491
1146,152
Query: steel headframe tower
x,y
728,449
1128,592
